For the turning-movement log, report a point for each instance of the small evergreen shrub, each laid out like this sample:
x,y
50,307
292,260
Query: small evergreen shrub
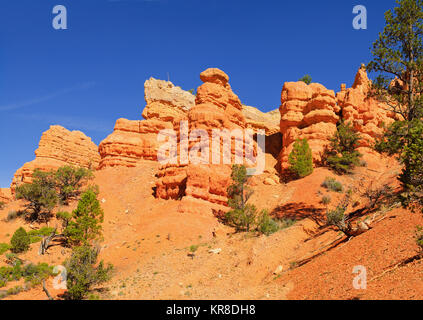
x,y
37,235
286,223
332,185
301,159
4,247
336,218
243,216
31,273
419,236
85,224
82,273
306,79
69,181
2,205
20,241
341,155
266,225
193,248
40,195
326,200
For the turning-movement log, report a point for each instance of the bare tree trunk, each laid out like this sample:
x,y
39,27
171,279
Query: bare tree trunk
x,y
45,242
46,291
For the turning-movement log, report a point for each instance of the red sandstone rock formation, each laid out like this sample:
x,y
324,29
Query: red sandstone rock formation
x,y
217,107
256,120
135,140
3,197
307,111
367,115
58,147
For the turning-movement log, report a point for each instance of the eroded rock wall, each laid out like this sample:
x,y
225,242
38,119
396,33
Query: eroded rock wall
x,y
58,147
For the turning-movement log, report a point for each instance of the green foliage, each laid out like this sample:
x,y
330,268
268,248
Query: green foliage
x,y
405,138
301,159
85,224
242,219
398,55
40,194
69,181
336,217
266,225
82,273
31,273
65,217
341,155
20,241
326,200
332,184
243,216
398,61
286,223
193,248
306,79
37,235
4,247
419,236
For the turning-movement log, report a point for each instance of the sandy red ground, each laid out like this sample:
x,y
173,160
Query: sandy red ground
x,y
148,241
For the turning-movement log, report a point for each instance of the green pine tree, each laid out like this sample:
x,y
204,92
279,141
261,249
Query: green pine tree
x,y
398,61
301,159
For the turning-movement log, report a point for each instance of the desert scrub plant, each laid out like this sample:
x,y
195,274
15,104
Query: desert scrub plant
x,y
243,216
37,235
378,196
193,248
286,223
336,218
301,159
332,185
306,79
4,247
82,273
31,273
419,236
65,217
69,180
2,205
40,195
341,155
266,225
85,224
326,200
20,241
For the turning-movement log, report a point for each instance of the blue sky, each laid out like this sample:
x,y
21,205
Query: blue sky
x,y
86,77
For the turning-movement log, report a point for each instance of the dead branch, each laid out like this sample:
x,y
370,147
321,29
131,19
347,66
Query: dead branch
x,y
46,291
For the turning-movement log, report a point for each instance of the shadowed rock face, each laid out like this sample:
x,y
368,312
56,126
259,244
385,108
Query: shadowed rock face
x,y
58,147
135,140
